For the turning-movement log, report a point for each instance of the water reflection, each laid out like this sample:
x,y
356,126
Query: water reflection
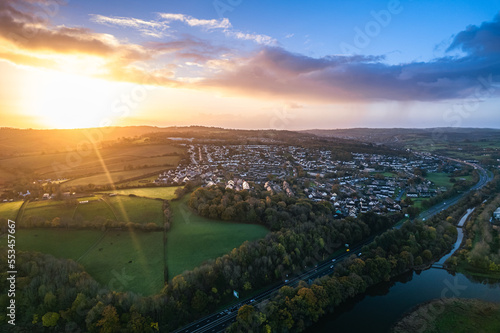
x,y
382,305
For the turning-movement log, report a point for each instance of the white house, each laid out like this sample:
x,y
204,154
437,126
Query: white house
x,y
496,214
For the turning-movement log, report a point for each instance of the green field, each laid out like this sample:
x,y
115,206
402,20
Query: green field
x,y
137,210
47,209
113,177
455,315
105,256
166,193
417,202
93,209
194,239
385,174
440,179
8,210
119,208
443,179
139,182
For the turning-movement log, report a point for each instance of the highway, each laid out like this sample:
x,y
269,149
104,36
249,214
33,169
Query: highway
x,y
218,322
484,178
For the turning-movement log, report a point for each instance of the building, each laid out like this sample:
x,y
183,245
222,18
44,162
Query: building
x,y
496,214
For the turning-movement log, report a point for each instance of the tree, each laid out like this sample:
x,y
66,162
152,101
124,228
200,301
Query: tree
x,y
50,319
109,322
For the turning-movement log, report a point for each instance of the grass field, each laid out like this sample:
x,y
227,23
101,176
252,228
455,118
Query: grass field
x,y
440,179
166,193
137,210
194,239
93,209
139,182
455,315
113,177
125,260
8,210
120,208
443,179
87,165
417,202
119,260
385,174
47,209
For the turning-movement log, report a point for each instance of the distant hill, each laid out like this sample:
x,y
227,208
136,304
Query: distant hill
x,y
405,136
15,141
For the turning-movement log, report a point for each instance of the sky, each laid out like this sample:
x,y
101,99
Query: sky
x,y
250,64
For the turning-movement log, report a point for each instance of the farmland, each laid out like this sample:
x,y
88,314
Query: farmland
x,y
137,210
85,164
194,239
103,178
119,260
166,193
93,209
8,210
119,208
47,210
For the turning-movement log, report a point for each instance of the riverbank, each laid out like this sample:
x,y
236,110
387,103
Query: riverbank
x,y
451,315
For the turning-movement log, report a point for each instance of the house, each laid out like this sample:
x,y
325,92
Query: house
x,y
496,214
45,196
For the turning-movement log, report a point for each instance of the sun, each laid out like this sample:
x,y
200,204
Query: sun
x,y
71,101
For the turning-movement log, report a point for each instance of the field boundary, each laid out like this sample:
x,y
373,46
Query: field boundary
x,y
92,246
20,212
110,206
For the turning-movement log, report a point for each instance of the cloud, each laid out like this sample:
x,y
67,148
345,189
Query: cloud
x,y
260,39
268,71
482,40
222,24
276,72
147,28
194,22
28,38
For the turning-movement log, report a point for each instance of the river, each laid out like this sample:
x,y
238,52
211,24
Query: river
x,y
383,305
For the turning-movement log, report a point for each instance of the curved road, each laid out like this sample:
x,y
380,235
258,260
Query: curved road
x,y
218,322
484,178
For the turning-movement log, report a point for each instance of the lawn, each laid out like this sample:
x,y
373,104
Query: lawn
x,y
417,202
440,179
8,210
137,210
119,260
385,174
166,193
193,239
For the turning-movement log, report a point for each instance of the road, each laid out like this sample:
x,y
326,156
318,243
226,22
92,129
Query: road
x,y
484,178
218,322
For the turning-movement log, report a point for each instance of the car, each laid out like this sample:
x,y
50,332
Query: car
x,y
359,254
334,260
252,300
286,281
331,266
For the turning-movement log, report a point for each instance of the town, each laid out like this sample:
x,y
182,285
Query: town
x,y
361,183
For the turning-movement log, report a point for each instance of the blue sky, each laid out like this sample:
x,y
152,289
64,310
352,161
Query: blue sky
x,y
244,64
